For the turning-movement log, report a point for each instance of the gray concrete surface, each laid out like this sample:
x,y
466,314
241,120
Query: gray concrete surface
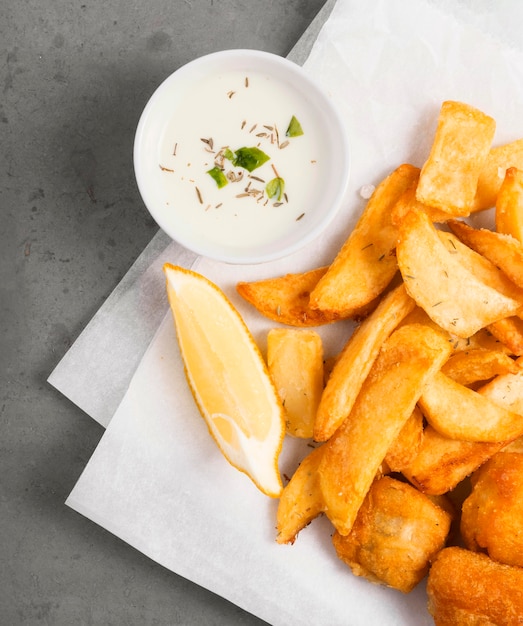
x,y
75,76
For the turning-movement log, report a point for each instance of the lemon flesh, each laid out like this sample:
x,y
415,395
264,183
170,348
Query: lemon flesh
x,y
228,377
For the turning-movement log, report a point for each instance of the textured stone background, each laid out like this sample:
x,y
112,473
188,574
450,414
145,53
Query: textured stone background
x,y
75,76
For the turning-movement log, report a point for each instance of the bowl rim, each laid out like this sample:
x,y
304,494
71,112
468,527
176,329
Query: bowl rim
x,y
284,65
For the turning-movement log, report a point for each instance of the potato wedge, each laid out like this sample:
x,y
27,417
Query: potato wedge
x,y
507,390
405,447
509,332
442,463
514,446
509,204
470,589
285,299
486,271
483,339
461,413
498,160
355,361
408,202
502,250
408,359
365,264
450,294
301,500
476,365
397,533
463,139
295,362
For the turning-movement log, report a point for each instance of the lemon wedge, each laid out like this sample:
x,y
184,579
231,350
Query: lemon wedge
x,y
228,377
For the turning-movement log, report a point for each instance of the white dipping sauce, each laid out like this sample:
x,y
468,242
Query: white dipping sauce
x,y
238,109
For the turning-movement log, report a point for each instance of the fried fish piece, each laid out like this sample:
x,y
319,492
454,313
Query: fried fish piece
x,y
467,588
397,532
492,515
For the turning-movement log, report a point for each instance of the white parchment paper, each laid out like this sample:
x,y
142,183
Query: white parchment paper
x,y
156,479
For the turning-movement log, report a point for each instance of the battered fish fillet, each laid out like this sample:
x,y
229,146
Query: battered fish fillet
x,y
397,532
469,589
492,515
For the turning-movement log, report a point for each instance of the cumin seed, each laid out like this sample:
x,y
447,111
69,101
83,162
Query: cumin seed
x,y
198,193
209,142
300,216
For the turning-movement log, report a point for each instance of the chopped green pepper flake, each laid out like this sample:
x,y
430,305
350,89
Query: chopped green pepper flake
x,y
218,176
275,187
250,158
228,154
294,129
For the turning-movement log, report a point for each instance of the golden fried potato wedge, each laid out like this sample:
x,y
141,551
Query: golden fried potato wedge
x,y
509,204
486,271
405,447
498,161
355,361
509,333
507,390
476,365
492,515
461,413
365,264
514,446
408,202
504,251
408,359
397,533
466,588
451,295
295,362
463,139
442,463
285,299
301,500
483,339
